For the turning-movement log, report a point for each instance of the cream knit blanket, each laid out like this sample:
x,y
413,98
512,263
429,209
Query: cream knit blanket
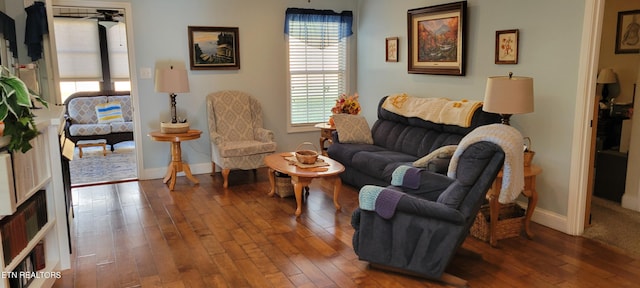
x,y
437,110
511,142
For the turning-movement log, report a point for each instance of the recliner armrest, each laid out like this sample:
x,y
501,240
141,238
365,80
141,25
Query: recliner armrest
x,y
429,209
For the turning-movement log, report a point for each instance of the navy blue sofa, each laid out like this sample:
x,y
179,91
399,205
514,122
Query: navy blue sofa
x,y
398,140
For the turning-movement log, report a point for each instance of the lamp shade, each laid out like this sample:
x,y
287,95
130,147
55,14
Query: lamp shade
x,y
508,95
172,80
606,76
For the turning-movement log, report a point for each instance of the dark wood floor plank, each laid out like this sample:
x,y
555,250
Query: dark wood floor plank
x,y
141,234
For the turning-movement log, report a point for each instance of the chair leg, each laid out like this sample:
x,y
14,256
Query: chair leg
x,y
225,178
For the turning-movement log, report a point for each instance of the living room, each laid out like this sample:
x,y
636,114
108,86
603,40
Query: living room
x,y
557,52
553,49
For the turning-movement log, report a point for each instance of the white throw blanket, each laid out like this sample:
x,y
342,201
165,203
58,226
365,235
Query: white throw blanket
x,y
436,110
511,142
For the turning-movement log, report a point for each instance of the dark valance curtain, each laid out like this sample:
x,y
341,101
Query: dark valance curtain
x,y
345,18
35,28
8,29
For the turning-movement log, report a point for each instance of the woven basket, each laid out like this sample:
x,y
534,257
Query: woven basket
x,y
307,156
284,188
509,224
528,154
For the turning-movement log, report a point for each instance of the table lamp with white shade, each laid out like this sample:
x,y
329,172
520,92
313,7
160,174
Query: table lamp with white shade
x,y
172,80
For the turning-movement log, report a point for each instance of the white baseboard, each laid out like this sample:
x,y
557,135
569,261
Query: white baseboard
x,y
159,173
548,218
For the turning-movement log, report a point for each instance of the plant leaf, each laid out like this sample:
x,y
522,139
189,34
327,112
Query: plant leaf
x,y
21,90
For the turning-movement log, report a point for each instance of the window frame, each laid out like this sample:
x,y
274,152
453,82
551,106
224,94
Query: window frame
x,y
346,84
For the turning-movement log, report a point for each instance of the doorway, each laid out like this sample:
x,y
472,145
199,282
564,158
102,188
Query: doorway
x,y
101,68
618,72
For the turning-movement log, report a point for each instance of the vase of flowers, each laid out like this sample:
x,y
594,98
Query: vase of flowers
x,y
345,104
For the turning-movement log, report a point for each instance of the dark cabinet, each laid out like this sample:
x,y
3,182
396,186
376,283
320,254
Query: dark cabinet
x,y
611,174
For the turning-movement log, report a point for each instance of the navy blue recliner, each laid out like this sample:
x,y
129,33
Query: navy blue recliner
x,y
418,229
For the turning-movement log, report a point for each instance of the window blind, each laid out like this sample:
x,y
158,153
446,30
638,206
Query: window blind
x,y
78,45
78,48
118,55
317,52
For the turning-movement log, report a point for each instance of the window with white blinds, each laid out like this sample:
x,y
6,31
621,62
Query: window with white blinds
x,y
317,69
78,48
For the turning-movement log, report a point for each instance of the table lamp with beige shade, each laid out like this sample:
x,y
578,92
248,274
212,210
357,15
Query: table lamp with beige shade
x,y
606,77
172,80
508,95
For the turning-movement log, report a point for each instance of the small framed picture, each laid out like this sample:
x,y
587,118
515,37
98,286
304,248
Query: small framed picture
x,y
507,46
628,32
214,48
391,49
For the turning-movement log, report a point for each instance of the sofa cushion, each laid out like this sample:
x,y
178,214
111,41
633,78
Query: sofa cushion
x,y
117,127
373,163
353,129
82,110
125,104
244,148
109,112
344,153
89,129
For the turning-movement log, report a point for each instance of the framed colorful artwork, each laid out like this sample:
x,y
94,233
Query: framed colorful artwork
x,y
214,48
628,32
507,46
391,49
437,39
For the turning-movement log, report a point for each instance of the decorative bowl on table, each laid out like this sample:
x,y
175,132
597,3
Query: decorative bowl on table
x,y
174,128
306,156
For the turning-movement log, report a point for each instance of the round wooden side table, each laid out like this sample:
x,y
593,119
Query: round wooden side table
x,y
176,154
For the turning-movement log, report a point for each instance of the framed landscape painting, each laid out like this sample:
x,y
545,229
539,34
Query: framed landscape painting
x,y
437,39
214,48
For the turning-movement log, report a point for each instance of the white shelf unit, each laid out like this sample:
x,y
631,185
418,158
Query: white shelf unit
x,y
39,169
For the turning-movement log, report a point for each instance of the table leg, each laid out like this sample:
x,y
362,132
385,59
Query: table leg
x,y
187,173
298,184
494,211
532,194
272,182
337,186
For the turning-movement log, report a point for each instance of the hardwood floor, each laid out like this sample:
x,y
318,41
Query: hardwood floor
x,y
139,234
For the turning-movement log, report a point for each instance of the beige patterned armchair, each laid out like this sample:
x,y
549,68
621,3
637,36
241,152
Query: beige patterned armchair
x,y
238,140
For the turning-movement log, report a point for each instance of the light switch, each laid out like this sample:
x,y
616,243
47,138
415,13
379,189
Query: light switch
x,y
145,73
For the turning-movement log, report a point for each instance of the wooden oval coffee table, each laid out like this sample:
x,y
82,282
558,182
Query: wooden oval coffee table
x,y
301,177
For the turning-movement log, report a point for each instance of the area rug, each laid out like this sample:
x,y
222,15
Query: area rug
x,y
93,167
613,225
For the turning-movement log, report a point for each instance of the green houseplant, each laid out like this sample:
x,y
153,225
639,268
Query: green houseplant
x,y
15,111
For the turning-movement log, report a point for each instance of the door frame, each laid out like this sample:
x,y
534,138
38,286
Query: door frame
x,y
579,182
130,48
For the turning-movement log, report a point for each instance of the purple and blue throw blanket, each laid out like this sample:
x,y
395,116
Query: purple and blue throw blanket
x,y
406,176
379,199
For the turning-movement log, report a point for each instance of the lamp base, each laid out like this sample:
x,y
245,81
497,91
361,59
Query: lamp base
x,y
505,118
174,128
